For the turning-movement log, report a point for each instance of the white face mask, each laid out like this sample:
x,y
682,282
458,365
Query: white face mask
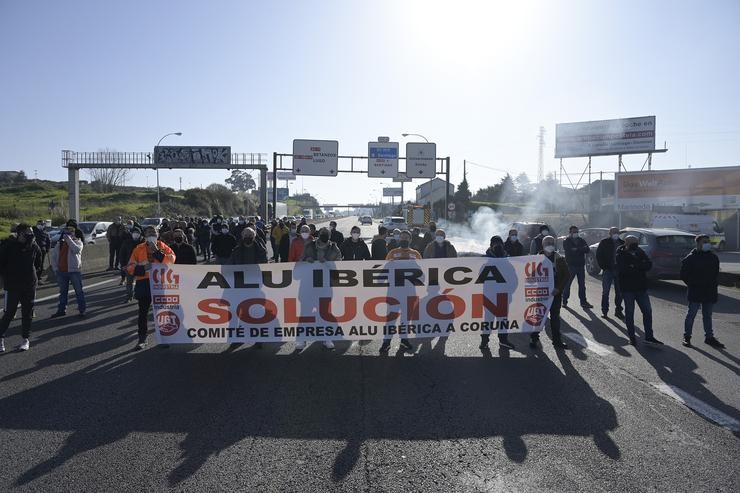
x,y
305,236
549,248
396,237
574,235
706,246
615,237
151,239
224,230
514,238
135,236
545,232
355,236
439,239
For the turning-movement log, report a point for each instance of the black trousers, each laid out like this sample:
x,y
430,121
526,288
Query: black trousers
x,y
25,297
557,302
113,247
143,295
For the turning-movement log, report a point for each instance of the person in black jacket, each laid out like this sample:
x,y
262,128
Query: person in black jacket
x,y
353,248
284,247
700,272
44,243
575,249
20,260
535,245
633,265
379,245
203,234
606,257
128,244
184,251
512,245
496,250
249,250
334,235
222,244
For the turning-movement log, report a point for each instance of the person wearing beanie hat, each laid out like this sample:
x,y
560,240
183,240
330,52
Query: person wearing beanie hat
x,y
129,242
66,262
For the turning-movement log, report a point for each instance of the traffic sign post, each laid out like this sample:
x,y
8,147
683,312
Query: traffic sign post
x,y
401,177
315,157
382,159
421,159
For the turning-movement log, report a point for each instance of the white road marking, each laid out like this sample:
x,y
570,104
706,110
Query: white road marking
x,y
72,293
587,343
699,406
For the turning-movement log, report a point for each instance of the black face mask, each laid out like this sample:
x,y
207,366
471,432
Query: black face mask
x,y
403,243
248,240
324,237
499,249
29,238
632,246
178,240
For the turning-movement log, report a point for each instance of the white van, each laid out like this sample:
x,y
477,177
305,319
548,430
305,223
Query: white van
x,y
692,223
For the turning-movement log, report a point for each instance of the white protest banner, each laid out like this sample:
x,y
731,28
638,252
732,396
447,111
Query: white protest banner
x,y
352,300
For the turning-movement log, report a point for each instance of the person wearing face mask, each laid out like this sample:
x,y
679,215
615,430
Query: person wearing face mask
x,y
127,246
535,246
145,256
496,250
417,240
700,273
20,260
115,234
393,240
560,269
354,248
222,245
285,241
298,245
278,232
249,250
606,257
429,235
633,265
184,252
404,250
204,235
512,245
314,232
44,243
336,236
66,262
379,245
321,250
440,247
575,249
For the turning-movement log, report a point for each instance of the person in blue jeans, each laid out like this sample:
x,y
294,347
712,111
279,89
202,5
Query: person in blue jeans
x,y
575,249
700,273
606,257
633,265
66,262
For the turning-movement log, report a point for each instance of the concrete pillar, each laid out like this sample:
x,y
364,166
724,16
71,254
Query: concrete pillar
x,y
263,193
74,192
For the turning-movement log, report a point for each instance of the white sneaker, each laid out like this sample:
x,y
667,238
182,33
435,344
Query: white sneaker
x,y
300,345
328,344
24,346
2,344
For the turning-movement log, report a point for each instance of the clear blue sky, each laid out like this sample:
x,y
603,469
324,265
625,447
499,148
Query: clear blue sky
x,y
478,78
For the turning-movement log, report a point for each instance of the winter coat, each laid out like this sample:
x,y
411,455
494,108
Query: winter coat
x,y
535,246
203,233
42,239
284,246
74,254
312,252
336,237
127,246
575,250
222,245
378,248
633,268
115,233
354,250
562,273
448,251
699,271
493,254
296,248
184,253
19,263
143,256
243,254
513,248
606,253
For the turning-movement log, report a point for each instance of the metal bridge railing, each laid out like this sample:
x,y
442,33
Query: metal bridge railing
x,y
73,159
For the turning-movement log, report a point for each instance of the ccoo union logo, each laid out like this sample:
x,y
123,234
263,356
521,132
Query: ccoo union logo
x,y
535,314
165,278
168,323
536,272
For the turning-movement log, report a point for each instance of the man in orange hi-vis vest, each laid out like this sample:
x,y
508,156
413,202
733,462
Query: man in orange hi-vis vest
x,y
144,256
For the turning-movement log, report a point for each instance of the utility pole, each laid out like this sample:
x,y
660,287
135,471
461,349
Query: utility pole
x,y
181,183
465,170
541,162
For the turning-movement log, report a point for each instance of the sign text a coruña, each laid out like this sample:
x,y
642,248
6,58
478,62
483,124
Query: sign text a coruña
x,y
378,276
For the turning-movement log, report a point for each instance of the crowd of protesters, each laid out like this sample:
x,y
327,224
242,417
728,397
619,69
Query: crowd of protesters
x,y
135,250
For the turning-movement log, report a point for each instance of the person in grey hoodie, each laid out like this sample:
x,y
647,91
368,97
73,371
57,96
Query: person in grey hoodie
x,y
66,262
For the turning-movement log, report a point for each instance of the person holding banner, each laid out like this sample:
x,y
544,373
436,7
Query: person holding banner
x,y
560,270
248,251
353,248
144,256
403,252
496,250
299,243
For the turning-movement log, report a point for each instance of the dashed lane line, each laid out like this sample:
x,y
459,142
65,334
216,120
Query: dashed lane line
x,y
588,343
701,407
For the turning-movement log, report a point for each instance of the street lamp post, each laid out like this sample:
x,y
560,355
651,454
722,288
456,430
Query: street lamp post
x,y
159,205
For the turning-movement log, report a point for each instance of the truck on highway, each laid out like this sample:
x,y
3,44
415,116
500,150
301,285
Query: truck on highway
x,y
417,216
692,223
281,210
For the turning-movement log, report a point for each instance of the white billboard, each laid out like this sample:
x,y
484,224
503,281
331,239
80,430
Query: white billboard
x,y
421,159
382,159
393,192
315,157
605,137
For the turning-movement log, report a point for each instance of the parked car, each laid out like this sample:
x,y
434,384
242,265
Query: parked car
x,y
393,222
93,230
527,231
366,220
665,248
152,221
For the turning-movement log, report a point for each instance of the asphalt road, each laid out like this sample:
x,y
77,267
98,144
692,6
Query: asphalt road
x,y
81,412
